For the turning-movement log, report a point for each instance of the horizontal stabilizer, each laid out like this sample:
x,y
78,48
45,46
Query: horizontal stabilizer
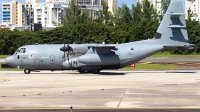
x,y
189,46
176,14
176,26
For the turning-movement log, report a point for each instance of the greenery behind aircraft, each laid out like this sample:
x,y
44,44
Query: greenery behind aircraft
x,y
125,25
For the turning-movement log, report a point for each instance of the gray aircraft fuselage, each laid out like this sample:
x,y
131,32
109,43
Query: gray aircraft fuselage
x,y
49,57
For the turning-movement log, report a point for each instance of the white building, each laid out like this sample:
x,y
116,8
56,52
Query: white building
x,y
194,6
112,4
48,14
156,3
32,1
61,1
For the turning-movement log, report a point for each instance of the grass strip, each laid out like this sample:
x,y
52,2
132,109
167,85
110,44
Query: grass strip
x,y
10,69
3,56
167,54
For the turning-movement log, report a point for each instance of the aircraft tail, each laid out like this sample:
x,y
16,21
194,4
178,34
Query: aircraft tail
x,y
172,31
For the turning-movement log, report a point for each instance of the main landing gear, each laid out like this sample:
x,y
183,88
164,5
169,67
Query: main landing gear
x,y
95,72
27,71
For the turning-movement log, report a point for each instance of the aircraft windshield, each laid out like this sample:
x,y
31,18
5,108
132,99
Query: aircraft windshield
x,y
21,50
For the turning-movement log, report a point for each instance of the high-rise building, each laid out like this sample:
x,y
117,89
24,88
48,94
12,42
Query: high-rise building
x,y
194,6
156,3
6,12
32,1
16,13
48,14
63,1
112,4
27,14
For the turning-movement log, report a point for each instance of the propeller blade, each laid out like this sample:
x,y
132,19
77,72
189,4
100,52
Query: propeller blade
x,y
68,55
66,49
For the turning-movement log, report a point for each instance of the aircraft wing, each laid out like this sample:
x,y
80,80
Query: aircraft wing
x,y
101,49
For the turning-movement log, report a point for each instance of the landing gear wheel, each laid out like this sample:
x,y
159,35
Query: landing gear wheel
x,y
27,71
96,72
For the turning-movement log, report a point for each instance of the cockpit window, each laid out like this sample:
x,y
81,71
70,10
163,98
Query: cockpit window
x,y
21,50
17,50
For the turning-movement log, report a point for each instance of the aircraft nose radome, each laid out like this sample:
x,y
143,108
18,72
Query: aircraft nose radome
x,y
10,61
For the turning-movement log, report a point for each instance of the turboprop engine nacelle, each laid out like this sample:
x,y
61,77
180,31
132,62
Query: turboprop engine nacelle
x,y
100,59
79,49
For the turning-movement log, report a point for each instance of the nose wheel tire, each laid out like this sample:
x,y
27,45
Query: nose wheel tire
x,y
27,71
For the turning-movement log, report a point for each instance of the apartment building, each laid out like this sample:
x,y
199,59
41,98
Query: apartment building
x,y
112,4
27,14
194,6
156,3
6,12
49,14
92,6
15,12
20,14
61,1
32,1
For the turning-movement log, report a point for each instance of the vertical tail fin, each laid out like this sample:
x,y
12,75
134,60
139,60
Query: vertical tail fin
x,y
172,30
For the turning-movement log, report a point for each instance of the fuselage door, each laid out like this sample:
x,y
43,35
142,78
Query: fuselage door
x,y
36,63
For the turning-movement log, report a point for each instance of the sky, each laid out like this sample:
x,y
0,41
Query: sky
x,y
120,2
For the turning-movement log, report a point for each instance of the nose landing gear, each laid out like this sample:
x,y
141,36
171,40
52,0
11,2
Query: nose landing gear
x,y
27,71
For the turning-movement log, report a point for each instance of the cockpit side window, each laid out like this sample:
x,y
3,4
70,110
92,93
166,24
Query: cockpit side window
x,y
24,50
21,50
17,51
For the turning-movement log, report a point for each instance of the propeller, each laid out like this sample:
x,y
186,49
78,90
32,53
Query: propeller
x,y
66,49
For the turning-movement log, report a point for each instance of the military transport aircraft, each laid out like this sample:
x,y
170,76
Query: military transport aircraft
x,y
171,33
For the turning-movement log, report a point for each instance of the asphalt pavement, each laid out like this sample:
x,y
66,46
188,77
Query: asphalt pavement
x,y
109,91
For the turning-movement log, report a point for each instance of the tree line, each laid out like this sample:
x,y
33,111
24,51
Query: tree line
x,y
124,25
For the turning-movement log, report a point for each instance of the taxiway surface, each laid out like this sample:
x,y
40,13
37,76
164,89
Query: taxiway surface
x,y
107,90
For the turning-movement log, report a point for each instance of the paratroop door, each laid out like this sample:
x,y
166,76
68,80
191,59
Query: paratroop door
x,y
36,63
